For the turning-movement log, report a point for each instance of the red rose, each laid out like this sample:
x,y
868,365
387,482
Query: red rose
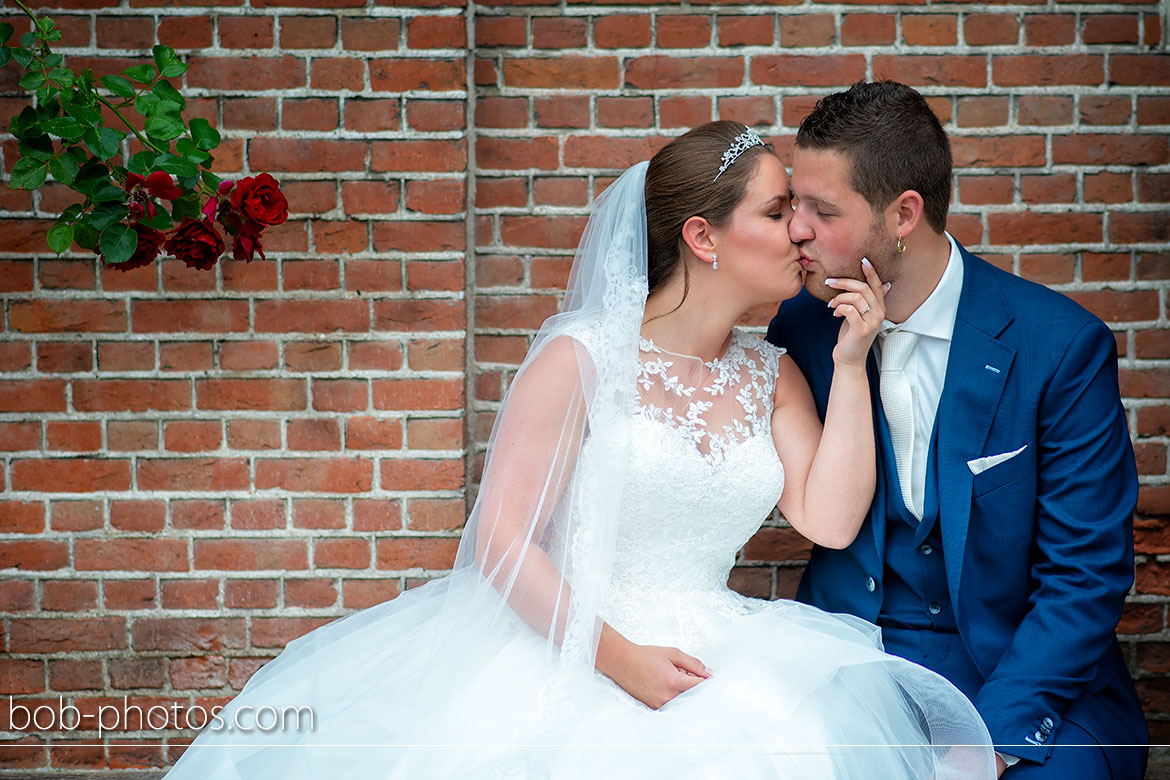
x,y
150,241
246,246
196,243
259,200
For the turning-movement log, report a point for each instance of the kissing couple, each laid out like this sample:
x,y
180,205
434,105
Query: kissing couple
x,y
950,438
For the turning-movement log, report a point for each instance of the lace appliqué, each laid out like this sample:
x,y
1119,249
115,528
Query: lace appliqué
x,y
748,370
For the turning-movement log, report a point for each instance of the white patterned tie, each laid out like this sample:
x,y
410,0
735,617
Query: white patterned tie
x,y
898,404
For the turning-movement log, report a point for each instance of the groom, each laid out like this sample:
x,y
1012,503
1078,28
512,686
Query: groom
x,y
998,549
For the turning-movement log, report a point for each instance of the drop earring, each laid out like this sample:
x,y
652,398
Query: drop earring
x,y
714,261
901,246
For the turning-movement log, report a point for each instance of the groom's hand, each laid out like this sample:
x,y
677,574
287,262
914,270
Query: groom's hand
x,y
1000,766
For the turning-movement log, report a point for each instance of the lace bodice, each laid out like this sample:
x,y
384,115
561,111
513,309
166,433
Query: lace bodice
x,y
703,476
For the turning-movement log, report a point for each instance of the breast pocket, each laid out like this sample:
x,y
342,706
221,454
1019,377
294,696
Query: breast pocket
x,y
1005,473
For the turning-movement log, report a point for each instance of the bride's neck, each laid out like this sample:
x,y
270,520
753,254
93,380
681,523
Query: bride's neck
x,y
699,327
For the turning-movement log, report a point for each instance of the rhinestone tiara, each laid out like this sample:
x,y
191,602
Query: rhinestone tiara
x,y
744,141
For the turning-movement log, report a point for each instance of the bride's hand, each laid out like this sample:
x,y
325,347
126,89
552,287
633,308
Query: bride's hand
x,y
652,675
863,305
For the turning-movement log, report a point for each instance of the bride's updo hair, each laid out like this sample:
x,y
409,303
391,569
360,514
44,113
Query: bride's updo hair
x,y
681,183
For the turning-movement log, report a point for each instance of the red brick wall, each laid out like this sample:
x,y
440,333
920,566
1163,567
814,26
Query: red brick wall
x,y
198,467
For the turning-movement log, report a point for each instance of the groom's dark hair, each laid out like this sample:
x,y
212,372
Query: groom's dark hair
x,y
892,141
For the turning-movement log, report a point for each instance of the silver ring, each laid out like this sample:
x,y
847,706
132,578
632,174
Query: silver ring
x,y
865,311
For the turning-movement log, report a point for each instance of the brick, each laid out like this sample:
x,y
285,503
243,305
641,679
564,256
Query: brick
x,y
420,236
417,393
310,114
376,515
193,673
125,32
70,475
625,112
369,197
1055,188
1098,267
435,434
1032,228
188,634
250,554
128,595
1153,187
560,192
1050,29
1110,28
746,30
71,316
318,513
278,632
23,517
66,635
400,554
308,32
190,594
984,190
214,474
991,29
417,75
988,151
1118,306
1110,149
1047,70
405,474
301,155
516,153
1108,188
74,436
1104,110
35,395
559,32
246,32
436,514
621,31
312,593
930,29
428,156
246,73
868,29
256,394
570,72
320,435
1048,269
499,31
1145,227
18,436
34,555
251,594
983,111
436,115
1044,110
324,475
436,355
682,31
125,356
15,356
436,32
562,111
684,111
258,514
369,34
360,594
587,152
658,72
1153,110
806,30
950,70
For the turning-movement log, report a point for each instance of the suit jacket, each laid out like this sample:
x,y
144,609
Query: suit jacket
x,y
1039,547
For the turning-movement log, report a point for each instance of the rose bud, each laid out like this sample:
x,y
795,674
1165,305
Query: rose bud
x,y
246,246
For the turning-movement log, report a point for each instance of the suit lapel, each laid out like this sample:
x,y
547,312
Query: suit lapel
x,y
977,371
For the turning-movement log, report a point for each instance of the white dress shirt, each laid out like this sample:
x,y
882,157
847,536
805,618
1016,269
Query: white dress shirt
x,y
934,322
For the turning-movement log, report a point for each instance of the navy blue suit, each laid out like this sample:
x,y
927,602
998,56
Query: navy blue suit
x,y
1039,548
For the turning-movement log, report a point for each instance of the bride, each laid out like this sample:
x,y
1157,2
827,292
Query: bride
x,y
587,630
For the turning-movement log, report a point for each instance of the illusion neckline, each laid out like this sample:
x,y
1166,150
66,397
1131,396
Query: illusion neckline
x,y
647,344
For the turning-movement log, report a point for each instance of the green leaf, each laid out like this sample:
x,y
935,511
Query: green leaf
x,y
176,165
108,194
29,40
186,207
60,236
37,147
5,56
141,163
211,180
188,150
72,212
205,136
24,122
54,61
83,114
23,57
165,92
64,127
143,74
106,214
118,243
168,64
64,169
28,174
32,80
118,86
6,31
146,102
160,221
62,76
163,127
93,175
84,234
103,141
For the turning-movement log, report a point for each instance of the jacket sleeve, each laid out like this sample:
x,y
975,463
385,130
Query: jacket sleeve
x,y
1082,560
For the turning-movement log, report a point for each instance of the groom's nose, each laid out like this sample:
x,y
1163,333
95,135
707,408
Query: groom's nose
x,y
798,228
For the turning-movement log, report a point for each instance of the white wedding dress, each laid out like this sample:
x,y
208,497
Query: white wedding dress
x,y
794,692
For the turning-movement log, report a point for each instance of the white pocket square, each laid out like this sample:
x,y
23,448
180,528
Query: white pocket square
x,y
979,465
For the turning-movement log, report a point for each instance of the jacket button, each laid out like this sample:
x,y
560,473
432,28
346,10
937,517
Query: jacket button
x,y
1039,737
926,549
870,585
1047,723
934,609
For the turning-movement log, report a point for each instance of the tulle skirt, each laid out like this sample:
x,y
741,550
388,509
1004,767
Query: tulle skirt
x,y
395,692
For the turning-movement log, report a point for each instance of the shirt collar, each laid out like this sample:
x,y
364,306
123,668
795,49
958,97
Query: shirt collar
x,y
936,316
